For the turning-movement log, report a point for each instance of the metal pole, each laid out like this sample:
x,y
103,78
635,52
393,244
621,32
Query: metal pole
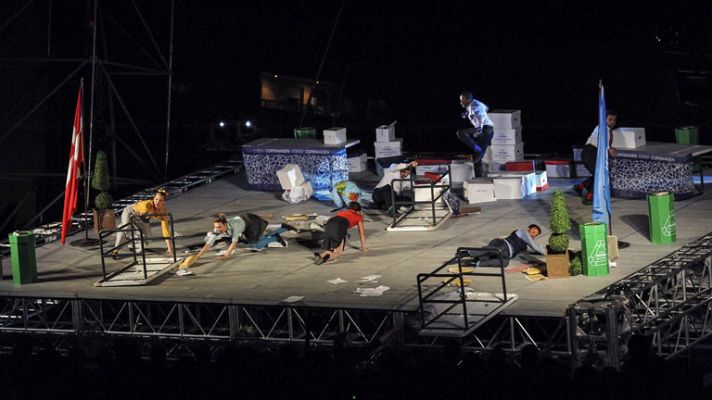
x,y
170,86
91,120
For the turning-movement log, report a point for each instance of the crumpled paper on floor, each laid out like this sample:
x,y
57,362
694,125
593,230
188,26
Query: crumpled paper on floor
x,y
369,292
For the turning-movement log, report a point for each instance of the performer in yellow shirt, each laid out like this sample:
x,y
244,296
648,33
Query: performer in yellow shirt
x,y
141,211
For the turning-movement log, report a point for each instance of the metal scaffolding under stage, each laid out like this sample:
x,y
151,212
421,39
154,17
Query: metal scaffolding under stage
x,y
670,300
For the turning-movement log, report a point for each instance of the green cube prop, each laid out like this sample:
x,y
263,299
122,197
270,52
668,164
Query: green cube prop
x,y
661,218
689,135
594,245
22,252
304,133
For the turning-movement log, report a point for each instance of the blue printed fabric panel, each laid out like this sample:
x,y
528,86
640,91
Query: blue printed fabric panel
x,y
322,169
635,178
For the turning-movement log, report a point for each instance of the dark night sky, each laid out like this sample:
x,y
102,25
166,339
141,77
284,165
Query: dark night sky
x,y
544,58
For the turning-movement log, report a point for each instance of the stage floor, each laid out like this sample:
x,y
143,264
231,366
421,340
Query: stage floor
x,y
269,277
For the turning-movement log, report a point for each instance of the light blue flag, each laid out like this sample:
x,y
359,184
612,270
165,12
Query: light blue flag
x,y
601,186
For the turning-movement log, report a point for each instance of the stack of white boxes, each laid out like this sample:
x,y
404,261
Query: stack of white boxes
x,y
386,144
334,136
507,142
290,177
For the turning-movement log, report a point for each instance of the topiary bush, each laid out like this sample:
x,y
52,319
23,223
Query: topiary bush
x,y
100,181
560,223
559,242
576,266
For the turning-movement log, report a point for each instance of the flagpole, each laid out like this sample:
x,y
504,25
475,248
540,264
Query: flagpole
x,y
87,170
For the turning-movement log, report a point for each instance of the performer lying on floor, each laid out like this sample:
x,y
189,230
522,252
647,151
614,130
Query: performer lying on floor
x,y
382,191
510,246
335,229
250,226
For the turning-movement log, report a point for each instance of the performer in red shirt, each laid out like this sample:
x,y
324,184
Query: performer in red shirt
x,y
335,229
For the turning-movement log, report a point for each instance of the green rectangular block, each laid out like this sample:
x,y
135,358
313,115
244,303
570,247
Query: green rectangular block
x,y
594,246
304,133
22,253
661,218
687,135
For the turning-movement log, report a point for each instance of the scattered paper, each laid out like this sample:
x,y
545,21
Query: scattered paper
x,y
532,271
455,270
535,277
337,281
456,282
370,278
369,292
612,264
292,299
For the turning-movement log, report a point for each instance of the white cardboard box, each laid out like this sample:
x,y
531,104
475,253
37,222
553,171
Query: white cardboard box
x,y
542,182
479,190
501,153
289,176
424,193
506,119
358,163
582,171
334,136
558,170
460,171
509,188
577,153
388,149
628,138
528,179
386,133
507,136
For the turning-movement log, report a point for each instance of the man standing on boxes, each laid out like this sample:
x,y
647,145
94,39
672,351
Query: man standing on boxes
x,y
479,137
590,153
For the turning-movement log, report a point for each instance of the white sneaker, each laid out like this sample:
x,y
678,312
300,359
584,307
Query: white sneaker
x,y
184,272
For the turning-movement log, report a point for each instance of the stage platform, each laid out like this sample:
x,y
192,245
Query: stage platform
x,y
269,277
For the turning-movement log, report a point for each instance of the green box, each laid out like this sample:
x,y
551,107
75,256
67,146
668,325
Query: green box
x,y
661,218
304,133
594,245
689,135
22,253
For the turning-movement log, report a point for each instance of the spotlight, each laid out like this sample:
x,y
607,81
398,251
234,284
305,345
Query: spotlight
x,y
221,124
248,124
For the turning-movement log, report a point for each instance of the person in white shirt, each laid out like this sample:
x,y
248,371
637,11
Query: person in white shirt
x,y
382,191
590,153
479,137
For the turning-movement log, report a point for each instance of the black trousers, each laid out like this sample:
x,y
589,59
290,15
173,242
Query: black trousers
x,y
382,197
588,157
334,232
478,144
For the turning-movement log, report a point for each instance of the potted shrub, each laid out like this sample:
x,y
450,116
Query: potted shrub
x,y
104,214
557,254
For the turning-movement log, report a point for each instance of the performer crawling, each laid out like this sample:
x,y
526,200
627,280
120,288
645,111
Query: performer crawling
x,y
336,228
248,227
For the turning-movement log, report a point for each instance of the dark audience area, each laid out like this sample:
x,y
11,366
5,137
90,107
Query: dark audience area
x,y
32,368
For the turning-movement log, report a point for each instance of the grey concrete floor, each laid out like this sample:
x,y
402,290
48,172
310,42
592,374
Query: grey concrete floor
x,y
269,277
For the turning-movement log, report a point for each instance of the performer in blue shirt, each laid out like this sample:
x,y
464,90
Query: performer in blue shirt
x,y
479,137
518,241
